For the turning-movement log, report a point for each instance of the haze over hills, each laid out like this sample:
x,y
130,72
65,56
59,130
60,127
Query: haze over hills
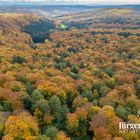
x,y
46,10
53,10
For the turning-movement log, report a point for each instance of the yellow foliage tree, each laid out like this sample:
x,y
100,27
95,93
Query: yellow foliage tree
x,y
22,126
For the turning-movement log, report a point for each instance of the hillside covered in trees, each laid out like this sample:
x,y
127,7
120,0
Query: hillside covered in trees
x,y
72,83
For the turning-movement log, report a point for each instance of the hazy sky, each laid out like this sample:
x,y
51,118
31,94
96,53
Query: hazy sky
x,y
79,1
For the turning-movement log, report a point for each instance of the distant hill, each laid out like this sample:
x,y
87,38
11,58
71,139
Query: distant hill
x,y
48,11
35,26
104,18
13,22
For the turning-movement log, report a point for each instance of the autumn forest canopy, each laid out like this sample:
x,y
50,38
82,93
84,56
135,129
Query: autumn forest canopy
x,y
72,76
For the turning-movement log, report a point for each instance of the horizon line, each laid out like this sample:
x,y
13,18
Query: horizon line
x,y
72,3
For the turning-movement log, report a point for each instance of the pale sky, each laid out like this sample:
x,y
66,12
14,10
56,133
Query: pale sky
x,y
80,1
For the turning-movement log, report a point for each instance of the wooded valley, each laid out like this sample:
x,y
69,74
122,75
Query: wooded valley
x,y
74,77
